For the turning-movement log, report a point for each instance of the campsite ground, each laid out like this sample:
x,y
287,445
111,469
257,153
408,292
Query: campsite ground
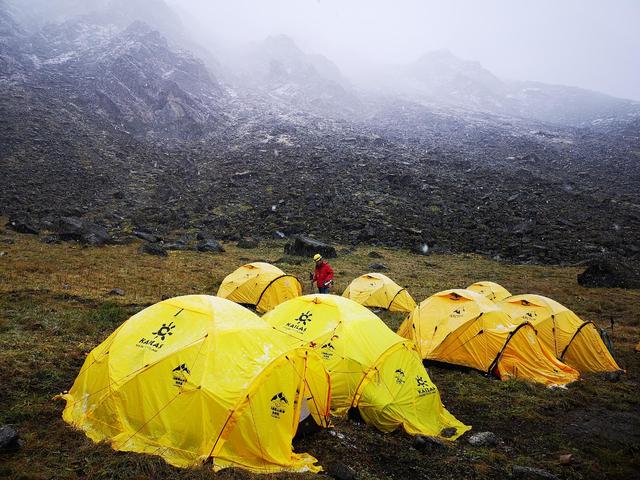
x,y
55,308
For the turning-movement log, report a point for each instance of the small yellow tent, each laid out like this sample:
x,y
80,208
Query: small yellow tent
x,y
464,328
572,340
493,291
260,284
196,379
379,291
371,367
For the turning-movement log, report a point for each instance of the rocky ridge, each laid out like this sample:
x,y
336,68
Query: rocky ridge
x,y
119,127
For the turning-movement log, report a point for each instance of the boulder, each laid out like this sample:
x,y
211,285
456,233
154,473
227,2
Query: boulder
x,y
340,471
378,267
148,237
483,439
50,239
210,246
449,431
308,247
23,225
613,376
609,272
423,442
153,249
177,245
76,229
248,243
9,439
116,292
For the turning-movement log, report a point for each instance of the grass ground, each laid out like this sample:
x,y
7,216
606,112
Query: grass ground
x,y
55,307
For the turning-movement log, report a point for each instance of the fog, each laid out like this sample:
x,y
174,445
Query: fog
x,y
586,43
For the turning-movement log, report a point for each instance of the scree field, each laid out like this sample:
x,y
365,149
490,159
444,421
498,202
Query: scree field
x,y
55,307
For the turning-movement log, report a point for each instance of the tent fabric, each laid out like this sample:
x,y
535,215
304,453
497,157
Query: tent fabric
x,y
379,291
199,378
572,340
465,328
493,291
260,284
371,367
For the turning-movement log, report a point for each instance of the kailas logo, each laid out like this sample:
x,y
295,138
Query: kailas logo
x,y
180,374
400,376
164,330
300,323
278,405
531,314
159,336
458,312
423,386
327,350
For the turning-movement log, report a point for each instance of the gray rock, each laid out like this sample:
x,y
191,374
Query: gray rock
x,y
149,237
248,243
179,245
9,439
116,292
340,471
23,225
308,247
153,249
378,267
50,239
610,272
76,229
613,376
483,439
449,431
423,442
210,246
530,473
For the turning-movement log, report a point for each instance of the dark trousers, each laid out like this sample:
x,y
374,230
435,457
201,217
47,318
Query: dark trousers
x,y
323,289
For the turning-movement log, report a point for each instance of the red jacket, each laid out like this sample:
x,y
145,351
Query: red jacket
x,y
323,274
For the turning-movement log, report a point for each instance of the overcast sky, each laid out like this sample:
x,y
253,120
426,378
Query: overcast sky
x,y
587,43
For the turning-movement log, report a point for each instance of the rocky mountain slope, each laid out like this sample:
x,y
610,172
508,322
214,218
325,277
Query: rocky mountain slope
x,y
441,78
116,124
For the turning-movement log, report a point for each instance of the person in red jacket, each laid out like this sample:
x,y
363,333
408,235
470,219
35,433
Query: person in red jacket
x,y
323,276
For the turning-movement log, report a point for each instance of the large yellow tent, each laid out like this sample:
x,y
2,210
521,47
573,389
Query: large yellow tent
x,y
465,328
492,290
371,367
379,291
572,340
200,379
260,284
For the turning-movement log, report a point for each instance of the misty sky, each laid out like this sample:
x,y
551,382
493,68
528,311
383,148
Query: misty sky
x,y
587,43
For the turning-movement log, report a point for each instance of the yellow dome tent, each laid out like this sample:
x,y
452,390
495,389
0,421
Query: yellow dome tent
x,y
493,291
371,367
260,284
572,340
200,379
379,291
464,328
